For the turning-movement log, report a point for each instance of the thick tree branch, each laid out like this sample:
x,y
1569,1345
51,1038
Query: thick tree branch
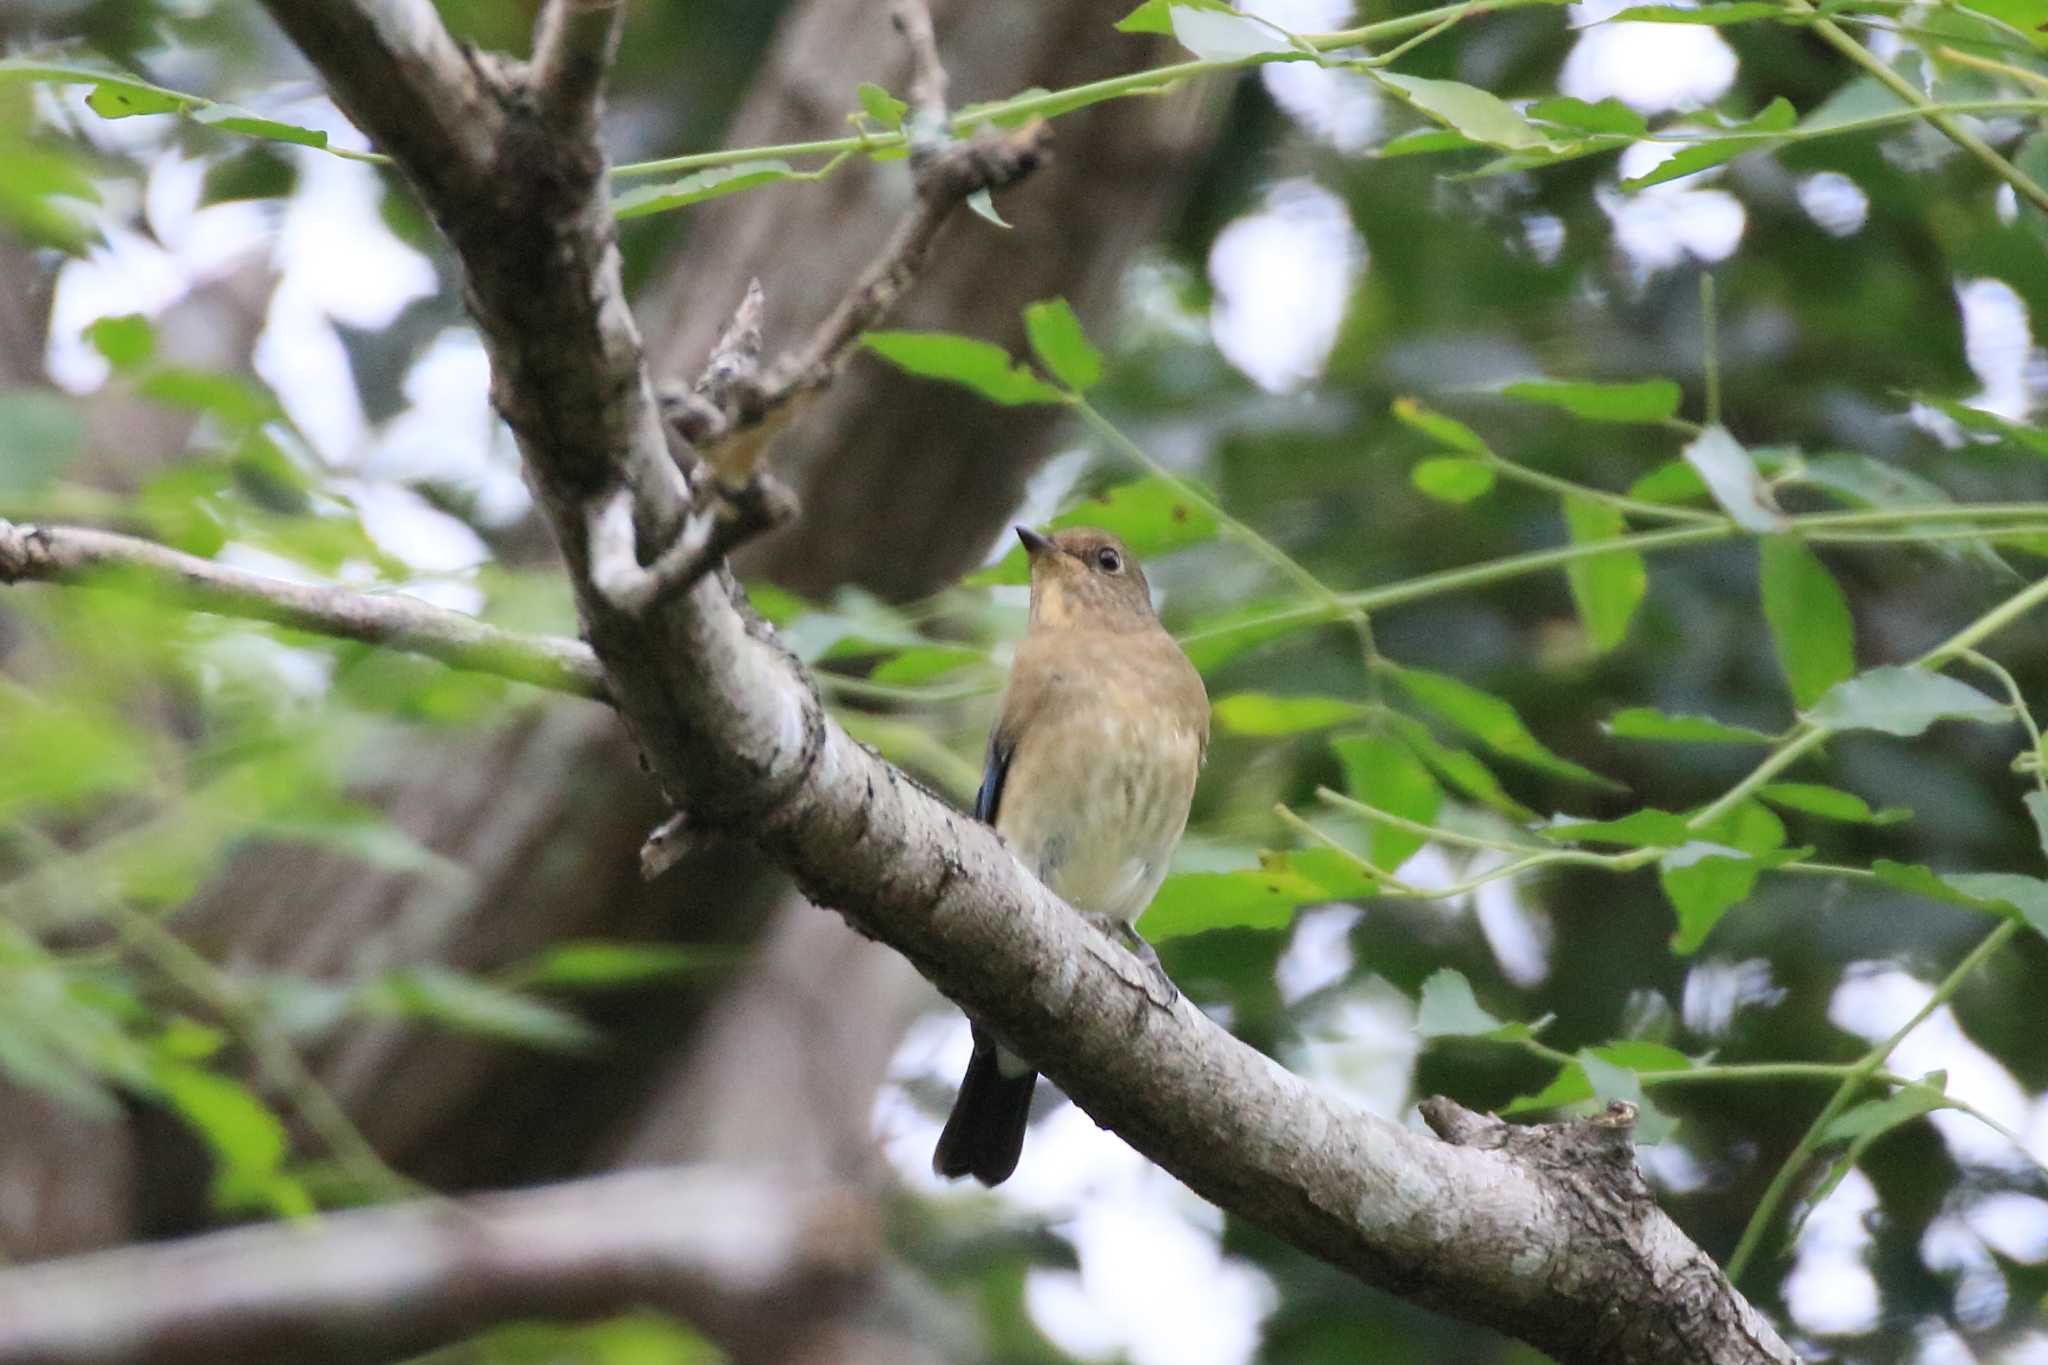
x,y
76,555
1553,1246
724,1249
572,49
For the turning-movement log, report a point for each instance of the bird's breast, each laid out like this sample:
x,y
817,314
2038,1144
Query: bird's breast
x,y
1097,798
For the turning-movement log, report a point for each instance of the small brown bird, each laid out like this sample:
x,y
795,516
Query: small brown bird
x,y
1091,766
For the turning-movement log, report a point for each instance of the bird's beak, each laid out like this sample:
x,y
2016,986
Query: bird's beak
x,y
1034,543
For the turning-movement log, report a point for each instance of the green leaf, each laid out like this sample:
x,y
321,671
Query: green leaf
x,y
232,119
1904,701
1150,516
1777,117
1648,828
1981,423
1752,828
126,341
1452,478
1569,1086
1738,12
1704,881
2007,890
923,663
1223,35
234,400
1608,116
1386,774
115,99
56,757
1421,141
1861,481
881,106
1830,803
1493,722
596,964
1874,1118
1648,400
1265,897
979,365
1809,619
40,432
2037,806
1445,431
1674,481
1265,715
1732,478
1457,767
1920,880
699,186
1061,346
468,1005
1155,16
247,1141
1642,722
1608,588
1448,1009
1478,114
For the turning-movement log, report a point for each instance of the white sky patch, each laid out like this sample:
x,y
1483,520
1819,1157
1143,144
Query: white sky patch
x,y
1153,1286
340,263
1649,67
1950,1247
1519,936
1283,279
1836,203
1660,227
1716,990
126,273
408,526
1360,1046
447,431
1998,341
1831,1291
2014,1225
1874,999
1341,108
1318,952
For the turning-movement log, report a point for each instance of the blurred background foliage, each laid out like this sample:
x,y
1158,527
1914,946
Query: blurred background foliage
x,y
1292,348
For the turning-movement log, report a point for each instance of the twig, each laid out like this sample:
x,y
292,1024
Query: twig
x,y
672,841
927,124
76,555
947,173
718,524
573,43
721,1246
737,407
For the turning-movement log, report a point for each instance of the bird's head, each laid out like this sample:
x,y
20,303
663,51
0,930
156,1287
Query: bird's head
x,y
1084,579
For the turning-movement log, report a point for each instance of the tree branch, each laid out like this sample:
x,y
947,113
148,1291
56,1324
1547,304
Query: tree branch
x,y
1551,1244
723,1248
76,555
572,49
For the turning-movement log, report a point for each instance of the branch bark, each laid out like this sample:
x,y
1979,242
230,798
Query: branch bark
x,y
1551,1244
725,1249
77,555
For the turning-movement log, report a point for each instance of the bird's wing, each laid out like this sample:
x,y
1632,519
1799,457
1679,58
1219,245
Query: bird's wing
x,y
993,772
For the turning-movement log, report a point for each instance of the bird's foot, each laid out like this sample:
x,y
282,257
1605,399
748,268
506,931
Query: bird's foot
x,y
1160,990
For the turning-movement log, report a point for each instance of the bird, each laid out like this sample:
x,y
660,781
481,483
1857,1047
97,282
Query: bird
x,y
1091,767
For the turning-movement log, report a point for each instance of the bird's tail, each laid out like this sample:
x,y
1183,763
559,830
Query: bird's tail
x,y
985,1132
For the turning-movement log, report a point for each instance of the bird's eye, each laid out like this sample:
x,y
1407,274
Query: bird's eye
x,y
1108,560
